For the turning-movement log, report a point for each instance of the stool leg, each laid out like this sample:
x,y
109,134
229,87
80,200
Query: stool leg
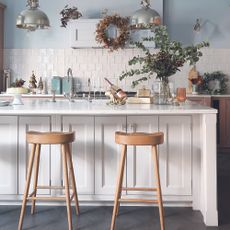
x,y
72,176
66,180
120,188
159,195
119,185
36,169
29,172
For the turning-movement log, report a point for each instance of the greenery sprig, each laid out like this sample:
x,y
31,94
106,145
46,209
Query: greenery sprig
x,y
164,63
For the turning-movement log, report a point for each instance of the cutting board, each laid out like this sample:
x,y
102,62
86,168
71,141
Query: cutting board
x,y
140,100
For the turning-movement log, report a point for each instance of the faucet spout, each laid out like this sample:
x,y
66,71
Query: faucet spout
x,y
70,95
89,87
69,73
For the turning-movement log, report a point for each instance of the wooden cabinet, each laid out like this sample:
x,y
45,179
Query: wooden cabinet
x,y
222,104
223,123
37,123
8,155
200,100
82,151
107,153
2,7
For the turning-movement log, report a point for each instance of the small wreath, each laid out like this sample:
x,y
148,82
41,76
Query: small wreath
x,y
219,82
122,25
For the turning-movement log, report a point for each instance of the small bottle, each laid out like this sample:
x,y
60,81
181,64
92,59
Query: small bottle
x,y
116,91
40,85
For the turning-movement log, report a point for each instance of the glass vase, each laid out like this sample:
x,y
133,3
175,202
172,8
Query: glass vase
x,y
162,94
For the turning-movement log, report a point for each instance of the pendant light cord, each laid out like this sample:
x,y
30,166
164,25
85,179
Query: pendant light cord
x,y
32,3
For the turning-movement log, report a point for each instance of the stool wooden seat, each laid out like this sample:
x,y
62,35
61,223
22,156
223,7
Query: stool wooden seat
x,y
138,139
40,138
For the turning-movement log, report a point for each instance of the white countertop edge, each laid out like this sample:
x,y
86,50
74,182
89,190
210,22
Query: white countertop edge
x,y
95,113
100,107
62,96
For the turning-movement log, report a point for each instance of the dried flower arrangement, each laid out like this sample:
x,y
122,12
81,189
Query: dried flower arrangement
x,y
18,83
69,13
197,81
122,24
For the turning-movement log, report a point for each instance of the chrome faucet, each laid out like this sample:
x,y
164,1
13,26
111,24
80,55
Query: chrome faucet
x,y
69,73
70,95
89,88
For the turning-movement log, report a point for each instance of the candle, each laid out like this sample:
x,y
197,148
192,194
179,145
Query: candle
x,y
181,94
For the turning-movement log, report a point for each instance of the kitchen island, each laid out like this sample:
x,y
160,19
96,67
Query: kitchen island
x,y
187,158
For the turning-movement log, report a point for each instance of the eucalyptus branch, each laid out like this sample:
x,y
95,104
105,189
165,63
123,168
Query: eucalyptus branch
x,y
167,61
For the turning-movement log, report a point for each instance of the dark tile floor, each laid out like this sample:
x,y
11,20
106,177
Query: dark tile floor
x,y
130,218
98,218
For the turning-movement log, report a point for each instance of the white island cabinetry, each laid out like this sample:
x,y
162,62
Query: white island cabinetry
x,y
187,157
107,153
174,154
139,159
33,123
82,150
8,155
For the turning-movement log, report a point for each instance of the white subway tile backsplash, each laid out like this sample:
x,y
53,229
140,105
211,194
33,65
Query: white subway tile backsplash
x,y
98,64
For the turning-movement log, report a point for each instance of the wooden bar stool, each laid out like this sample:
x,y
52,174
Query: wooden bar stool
x,y
48,138
124,139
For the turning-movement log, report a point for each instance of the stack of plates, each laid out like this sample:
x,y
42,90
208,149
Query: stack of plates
x,y
4,103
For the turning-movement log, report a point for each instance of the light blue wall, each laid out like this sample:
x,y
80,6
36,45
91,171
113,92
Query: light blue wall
x,y
57,37
179,16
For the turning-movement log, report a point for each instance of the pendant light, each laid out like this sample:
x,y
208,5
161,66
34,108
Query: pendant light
x,y
32,18
145,17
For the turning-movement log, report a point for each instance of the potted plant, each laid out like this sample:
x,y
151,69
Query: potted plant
x,y
168,59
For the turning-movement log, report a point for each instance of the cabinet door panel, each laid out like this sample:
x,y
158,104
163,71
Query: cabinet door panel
x,y
224,121
107,153
8,155
175,155
83,33
82,151
139,159
36,124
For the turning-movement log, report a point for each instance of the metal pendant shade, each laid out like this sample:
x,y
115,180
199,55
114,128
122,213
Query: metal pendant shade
x,y
32,18
145,17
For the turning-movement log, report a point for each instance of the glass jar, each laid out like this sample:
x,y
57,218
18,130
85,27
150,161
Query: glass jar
x,y
161,92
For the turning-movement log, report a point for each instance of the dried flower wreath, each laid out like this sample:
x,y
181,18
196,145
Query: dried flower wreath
x,y
122,24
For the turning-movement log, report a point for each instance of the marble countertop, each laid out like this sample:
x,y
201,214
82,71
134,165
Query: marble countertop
x,y
98,107
62,96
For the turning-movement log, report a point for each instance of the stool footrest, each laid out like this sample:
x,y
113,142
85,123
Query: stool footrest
x,y
56,198
129,200
51,187
139,189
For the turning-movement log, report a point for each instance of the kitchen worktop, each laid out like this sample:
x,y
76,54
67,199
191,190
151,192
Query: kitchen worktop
x,y
92,94
98,107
